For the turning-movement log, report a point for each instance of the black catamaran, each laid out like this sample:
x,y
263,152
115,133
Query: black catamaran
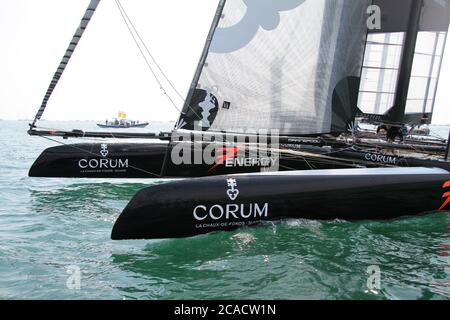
x,y
191,207
317,85
299,73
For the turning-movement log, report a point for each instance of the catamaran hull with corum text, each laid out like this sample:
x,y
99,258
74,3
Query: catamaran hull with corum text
x,y
203,205
151,160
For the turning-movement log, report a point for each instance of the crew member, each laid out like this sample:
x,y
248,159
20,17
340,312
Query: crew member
x,y
382,128
393,132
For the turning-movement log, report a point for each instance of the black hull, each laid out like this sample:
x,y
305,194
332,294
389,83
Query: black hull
x,y
146,160
124,160
382,159
198,206
131,160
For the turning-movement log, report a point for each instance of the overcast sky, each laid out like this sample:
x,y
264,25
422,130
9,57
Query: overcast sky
x,y
107,74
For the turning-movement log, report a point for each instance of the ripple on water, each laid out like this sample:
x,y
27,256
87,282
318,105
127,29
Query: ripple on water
x,y
47,225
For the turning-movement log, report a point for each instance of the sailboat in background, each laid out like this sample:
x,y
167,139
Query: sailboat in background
x,y
293,66
121,122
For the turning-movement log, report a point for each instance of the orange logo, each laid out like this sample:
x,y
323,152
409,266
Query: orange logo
x,y
223,154
446,196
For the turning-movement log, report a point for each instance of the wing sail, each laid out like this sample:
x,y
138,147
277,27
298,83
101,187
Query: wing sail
x,y
403,60
287,65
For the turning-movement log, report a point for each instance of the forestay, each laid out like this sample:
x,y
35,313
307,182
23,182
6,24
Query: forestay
x,y
68,54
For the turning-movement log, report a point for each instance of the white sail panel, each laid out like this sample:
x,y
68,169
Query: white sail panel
x,y
282,65
425,72
380,72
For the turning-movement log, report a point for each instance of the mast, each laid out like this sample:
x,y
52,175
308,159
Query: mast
x,y
447,154
66,58
397,113
197,76
204,55
438,75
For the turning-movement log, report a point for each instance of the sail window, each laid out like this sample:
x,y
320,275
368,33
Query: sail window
x,y
425,72
380,72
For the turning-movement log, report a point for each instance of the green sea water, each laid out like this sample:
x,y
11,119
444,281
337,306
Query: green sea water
x,y
50,226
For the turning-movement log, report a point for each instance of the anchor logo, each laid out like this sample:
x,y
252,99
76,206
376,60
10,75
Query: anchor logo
x,y
232,192
445,196
104,152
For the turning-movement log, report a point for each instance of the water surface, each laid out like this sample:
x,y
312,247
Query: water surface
x,y
49,225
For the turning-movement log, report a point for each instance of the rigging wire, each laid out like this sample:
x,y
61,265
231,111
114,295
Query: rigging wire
x,y
97,155
142,46
155,76
295,156
148,50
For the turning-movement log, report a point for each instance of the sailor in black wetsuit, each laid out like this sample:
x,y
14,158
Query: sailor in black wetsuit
x,y
382,128
393,132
